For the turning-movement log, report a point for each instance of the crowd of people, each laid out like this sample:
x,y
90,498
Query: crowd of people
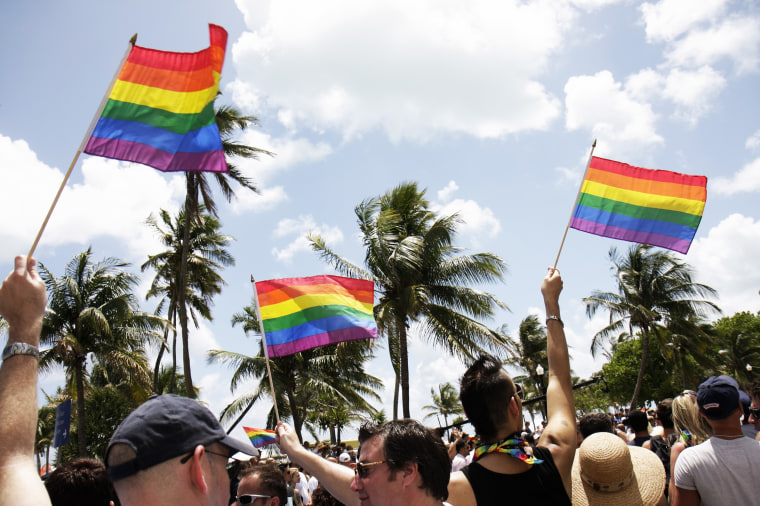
x,y
697,448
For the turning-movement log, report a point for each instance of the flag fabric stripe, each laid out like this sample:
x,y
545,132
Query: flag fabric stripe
x,y
647,213
614,232
668,202
164,102
260,437
336,322
641,205
313,314
628,182
300,313
316,340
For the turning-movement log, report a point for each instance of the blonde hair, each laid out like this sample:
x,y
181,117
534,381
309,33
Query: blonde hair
x,y
686,417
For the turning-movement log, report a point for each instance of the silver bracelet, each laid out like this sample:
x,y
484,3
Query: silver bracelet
x,y
14,349
554,317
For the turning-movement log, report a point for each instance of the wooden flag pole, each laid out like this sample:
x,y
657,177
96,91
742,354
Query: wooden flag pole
x,y
575,202
266,352
82,145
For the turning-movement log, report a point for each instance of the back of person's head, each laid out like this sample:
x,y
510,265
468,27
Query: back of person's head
x,y
754,389
408,441
80,482
321,497
591,423
638,421
686,418
270,479
485,391
665,413
461,443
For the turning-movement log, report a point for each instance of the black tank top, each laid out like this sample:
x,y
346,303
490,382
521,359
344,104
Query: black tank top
x,y
541,484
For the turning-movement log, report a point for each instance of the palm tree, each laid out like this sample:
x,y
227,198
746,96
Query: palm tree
x,y
229,121
445,402
204,249
93,315
529,355
421,277
653,288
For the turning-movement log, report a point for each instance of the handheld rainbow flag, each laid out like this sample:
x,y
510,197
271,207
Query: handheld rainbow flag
x,y
302,313
160,111
260,437
640,205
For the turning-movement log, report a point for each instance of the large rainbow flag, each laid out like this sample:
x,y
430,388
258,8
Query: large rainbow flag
x,y
302,313
161,110
634,204
260,437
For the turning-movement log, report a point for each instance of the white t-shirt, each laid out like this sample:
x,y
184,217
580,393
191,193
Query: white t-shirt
x,y
458,462
722,471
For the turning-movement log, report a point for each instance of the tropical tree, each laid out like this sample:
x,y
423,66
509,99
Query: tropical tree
x,y
653,288
93,315
230,122
206,255
445,402
421,278
739,344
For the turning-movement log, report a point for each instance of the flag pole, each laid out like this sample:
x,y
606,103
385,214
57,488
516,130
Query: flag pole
x,y
266,352
575,202
82,145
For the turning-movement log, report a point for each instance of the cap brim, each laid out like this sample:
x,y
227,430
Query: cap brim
x,y
240,446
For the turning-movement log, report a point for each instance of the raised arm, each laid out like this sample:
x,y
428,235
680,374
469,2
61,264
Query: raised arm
x,y
22,304
559,436
334,477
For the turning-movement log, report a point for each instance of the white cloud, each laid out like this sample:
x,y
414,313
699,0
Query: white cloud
x,y
408,69
477,221
725,260
668,19
444,195
301,227
753,142
622,124
746,180
113,201
693,92
737,38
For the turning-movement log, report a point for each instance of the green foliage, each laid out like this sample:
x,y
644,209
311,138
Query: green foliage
x,y
445,402
738,345
621,372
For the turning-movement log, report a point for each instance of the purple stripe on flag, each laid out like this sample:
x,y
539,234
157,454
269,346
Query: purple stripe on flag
x,y
603,230
210,161
323,339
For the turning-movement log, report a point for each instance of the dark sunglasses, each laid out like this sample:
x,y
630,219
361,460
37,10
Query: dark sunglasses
x,y
250,498
518,391
755,412
362,468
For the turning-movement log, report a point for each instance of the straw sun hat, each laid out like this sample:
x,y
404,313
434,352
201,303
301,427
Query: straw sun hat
x,y
606,471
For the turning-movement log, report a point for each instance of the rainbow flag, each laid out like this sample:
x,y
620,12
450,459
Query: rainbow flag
x,y
302,313
161,110
260,437
647,206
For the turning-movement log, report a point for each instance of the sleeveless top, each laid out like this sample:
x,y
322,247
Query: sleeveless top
x,y
541,484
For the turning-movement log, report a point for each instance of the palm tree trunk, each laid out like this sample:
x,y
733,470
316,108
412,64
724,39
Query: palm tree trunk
x,y
81,420
644,359
190,199
404,359
157,368
396,388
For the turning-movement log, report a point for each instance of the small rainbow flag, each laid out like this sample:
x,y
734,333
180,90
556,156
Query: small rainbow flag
x,y
160,111
640,205
260,437
302,313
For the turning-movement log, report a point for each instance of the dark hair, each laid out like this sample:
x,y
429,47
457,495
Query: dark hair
x,y
754,389
485,394
665,413
271,480
591,423
321,497
461,444
638,421
80,482
407,441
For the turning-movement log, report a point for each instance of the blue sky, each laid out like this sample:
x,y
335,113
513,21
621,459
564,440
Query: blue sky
x,y
491,106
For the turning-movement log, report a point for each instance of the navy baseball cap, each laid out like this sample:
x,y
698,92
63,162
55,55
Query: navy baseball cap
x,y
165,427
718,397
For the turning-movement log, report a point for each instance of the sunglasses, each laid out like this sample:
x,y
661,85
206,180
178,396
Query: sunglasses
x,y
250,498
362,468
755,412
518,391
232,462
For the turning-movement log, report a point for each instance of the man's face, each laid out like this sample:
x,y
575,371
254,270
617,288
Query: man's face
x,y
752,418
377,488
251,484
